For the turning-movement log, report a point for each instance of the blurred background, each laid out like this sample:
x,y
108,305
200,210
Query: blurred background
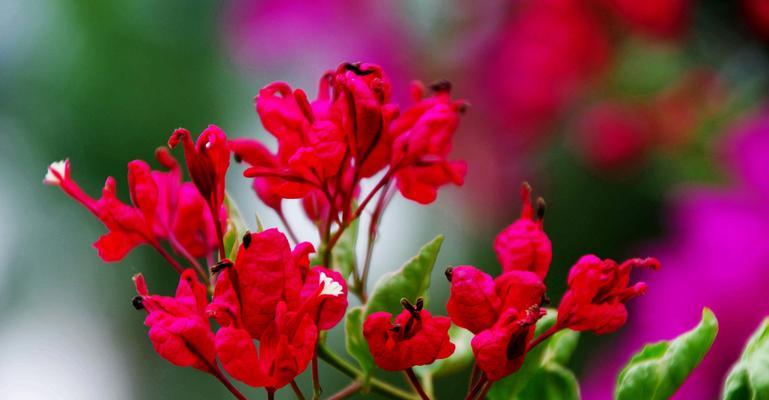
x,y
642,123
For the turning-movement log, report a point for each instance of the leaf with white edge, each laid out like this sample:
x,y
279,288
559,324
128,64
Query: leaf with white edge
x,y
356,344
411,281
749,377
544,364
659,369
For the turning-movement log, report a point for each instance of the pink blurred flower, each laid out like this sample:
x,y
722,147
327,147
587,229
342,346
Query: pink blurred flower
x,y
719,258
662,19
613,136
548,52
313,35
757,13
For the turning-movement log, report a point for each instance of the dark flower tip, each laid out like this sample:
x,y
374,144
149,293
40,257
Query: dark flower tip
x,y
247,240
441,86
138,302
449,271
541,206
216,268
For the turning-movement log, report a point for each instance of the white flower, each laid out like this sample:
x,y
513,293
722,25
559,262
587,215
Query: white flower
x,y
60,167
330,286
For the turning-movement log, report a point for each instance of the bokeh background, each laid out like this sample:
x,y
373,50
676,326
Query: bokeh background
x,y
642,123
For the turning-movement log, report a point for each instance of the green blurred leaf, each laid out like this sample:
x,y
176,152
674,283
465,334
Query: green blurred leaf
x,y
543,374
356,344
749,377
236,227
659,369
551,382
410,281
344,256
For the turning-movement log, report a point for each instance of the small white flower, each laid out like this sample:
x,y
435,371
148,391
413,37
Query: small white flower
x,y
330,286
60,167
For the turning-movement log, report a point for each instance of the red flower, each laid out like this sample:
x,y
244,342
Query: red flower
x,y
308,143
615,136
548,53
285,349
524,245
502,312
500,350
179,329
665,19
362,108
757,13
270,294
423,138
597,293
163,208
207,162
256,154
415,338
476,301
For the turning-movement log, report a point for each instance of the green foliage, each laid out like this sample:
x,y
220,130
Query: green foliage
x,y
344,256
356,344
749,377
544,374
410,281
236,227
659,369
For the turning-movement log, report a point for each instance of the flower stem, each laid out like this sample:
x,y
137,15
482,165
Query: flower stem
x,y
550,332
412,377
477,387
473,377
378,386
287,226
316,390
270,393
167,256
215,371
297,391
485,390
347,391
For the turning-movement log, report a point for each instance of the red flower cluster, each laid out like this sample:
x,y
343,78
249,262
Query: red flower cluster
x,y
164,209
270,305
598,290
502,312
179,328
271,294
351,131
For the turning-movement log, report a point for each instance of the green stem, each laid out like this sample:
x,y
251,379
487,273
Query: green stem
x,y
377,386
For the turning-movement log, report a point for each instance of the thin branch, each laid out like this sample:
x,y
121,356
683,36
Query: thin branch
x,y
346,368
347,391
167,256
412,377
297,391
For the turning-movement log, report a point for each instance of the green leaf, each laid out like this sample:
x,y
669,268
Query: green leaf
x,y
236,227
356,344
551,382
543,374
659,369
344,256
749,377
410,281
